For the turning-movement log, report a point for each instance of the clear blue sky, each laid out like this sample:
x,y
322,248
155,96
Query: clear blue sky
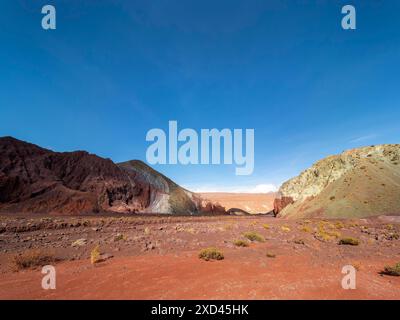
x,y
115,69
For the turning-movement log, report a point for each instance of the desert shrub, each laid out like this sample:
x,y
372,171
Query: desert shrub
x,y
325,234
306,229
32,258
253,236
285,228
266,226
119,237
211,254
392,271
353,224
228,226
95,255
270,255
349,241
240,243
339,225
392,236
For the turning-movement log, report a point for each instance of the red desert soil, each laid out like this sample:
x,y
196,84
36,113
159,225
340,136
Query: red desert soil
x,y
249,202
157,258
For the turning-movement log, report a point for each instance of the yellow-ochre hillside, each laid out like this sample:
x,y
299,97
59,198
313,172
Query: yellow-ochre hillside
x,y
360,182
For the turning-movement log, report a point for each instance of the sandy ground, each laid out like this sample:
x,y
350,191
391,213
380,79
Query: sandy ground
x,y
157,258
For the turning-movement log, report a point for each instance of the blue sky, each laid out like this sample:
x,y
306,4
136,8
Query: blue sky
x,y
112,70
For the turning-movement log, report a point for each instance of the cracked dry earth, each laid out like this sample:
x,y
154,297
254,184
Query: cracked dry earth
x,y
156,257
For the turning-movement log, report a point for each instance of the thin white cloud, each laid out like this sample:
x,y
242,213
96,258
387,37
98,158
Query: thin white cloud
x,y
363,138
259,188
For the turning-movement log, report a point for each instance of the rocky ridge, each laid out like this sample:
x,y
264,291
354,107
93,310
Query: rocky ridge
x,y
359,182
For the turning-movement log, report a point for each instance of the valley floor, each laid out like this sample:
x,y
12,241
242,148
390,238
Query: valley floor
x,y
157,258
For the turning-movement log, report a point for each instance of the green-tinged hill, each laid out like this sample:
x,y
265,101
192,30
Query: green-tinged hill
x,y
360,182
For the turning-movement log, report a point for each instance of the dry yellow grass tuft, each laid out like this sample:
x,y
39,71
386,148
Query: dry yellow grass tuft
x,y
211,254
339,225
95,255
306,229
32,258
240,243
325,231
254,236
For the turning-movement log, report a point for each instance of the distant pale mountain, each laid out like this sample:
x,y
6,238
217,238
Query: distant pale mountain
x,y
37,180
360,182
252,203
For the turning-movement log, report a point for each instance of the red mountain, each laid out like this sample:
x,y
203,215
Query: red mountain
x,y
34,179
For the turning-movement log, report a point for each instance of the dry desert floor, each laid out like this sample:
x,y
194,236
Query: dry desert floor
x,y
158,257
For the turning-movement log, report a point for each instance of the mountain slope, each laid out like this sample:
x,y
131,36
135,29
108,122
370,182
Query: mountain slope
x,y
34,179
165,195
357,183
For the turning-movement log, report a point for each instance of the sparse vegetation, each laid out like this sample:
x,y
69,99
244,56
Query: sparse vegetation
x,y
228,226
339,225
392,236
306,229
353,224
349,241
326,234
240,243
32,259
118,237
392,271
266,226
285,228
95,255
211,254
193,231
270,255
356,265
254,236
